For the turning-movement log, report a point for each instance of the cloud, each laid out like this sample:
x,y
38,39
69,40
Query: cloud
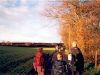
x,y
20,20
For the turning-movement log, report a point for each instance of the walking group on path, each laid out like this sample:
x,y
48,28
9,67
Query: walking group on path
x,y
58,63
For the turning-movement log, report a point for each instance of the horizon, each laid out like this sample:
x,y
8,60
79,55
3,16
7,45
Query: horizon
x,y
25,42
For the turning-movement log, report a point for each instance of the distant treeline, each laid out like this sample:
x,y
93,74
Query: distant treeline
x,y
28,44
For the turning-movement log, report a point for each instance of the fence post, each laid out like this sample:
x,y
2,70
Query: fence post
x,y
96,59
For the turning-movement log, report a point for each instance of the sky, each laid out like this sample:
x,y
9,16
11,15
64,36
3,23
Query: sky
x,y
22,21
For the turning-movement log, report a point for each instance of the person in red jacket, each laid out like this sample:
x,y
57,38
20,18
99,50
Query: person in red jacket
x,y
38,62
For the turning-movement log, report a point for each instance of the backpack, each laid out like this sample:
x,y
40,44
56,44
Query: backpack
x,y
60,67
39,60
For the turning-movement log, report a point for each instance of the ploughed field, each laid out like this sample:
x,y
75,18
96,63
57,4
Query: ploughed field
x,y
17,60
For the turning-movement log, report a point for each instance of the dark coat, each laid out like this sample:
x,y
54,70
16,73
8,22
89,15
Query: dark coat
x,y
54,56
78,59
59,68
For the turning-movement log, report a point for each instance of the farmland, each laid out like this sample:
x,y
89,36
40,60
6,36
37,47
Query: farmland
x,y
16,60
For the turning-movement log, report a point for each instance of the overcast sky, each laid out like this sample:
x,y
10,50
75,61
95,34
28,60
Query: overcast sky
x,y
20,20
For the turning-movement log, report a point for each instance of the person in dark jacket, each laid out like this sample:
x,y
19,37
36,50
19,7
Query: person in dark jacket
x,y
59,66
61,49
77,59
57,49
47,64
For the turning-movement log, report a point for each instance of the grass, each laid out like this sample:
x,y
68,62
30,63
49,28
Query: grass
x,y
50,49
16,59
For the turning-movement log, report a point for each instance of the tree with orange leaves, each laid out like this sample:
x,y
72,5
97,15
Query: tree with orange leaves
x,y
80,21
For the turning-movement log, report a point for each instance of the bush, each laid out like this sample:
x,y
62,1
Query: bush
x,y
90,70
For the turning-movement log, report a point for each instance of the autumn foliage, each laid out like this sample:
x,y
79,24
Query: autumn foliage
x,y
79,21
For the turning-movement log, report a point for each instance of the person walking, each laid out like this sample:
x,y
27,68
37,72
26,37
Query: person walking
x,y
60,66
38,62
76,59
53,55
47,64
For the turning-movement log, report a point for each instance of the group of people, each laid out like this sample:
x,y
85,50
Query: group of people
x,y
58,63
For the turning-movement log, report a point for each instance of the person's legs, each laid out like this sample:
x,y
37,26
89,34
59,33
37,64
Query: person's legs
x,y
77,73
40,70
80,73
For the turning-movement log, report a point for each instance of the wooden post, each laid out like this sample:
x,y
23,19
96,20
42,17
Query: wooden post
x,y
69,37
96,59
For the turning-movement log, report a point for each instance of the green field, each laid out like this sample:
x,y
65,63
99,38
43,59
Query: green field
x,y
19,60
16,60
